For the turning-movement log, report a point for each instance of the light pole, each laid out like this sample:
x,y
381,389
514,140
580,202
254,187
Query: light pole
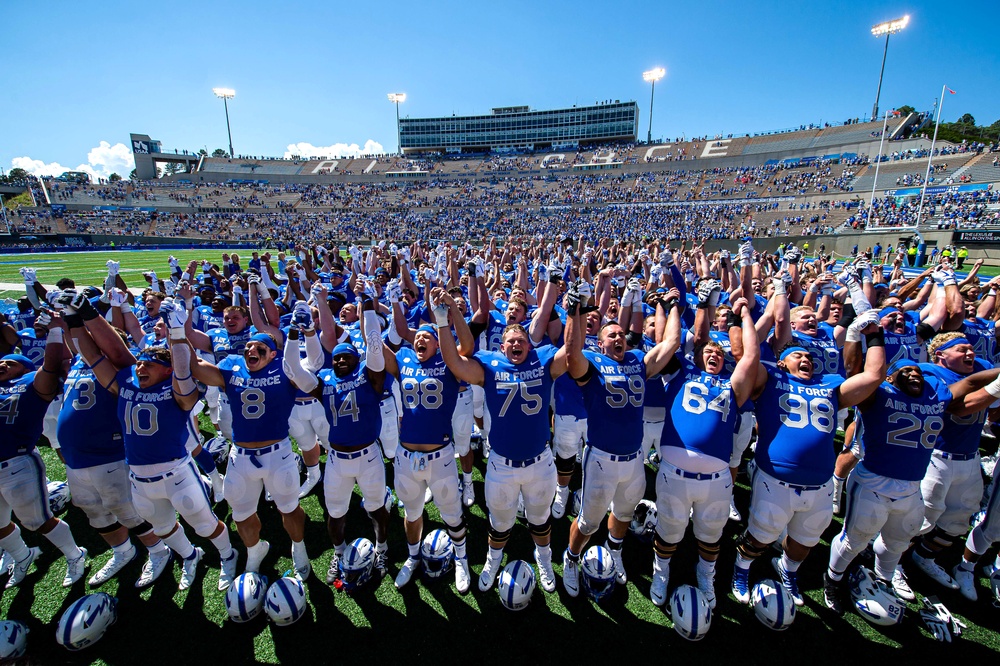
x,y
887,28
878,163
397,98
226,94
652,76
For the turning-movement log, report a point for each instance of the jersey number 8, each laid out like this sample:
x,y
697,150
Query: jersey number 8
x,y
798,413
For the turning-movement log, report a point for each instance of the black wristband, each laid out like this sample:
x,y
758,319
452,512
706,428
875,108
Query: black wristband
x,y
733,320
73,320
876,339
668,304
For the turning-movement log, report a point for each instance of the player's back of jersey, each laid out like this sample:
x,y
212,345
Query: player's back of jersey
x,y
88,428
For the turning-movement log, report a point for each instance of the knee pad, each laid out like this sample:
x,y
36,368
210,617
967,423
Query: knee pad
x,y
499,537
142,529
113,527
746,547
543,530
457,532
708,551
663,549
565,466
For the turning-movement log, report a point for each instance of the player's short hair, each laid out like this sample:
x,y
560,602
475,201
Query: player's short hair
x,y
238,309
941,339
799,309
516,328
66,283
159,295
518,302
713,344
605,326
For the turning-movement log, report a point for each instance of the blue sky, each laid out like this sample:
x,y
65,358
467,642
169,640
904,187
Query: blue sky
x,y
313,76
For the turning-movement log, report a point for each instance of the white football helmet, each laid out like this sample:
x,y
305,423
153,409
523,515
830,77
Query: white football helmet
x,y
58,496
520,508
300,462
437,553
995,586
245,597
286,601
576,503
644,520
13,639
772,604
516,585
357,564
597,573
874,600
218,446
390,499
690,612
86,620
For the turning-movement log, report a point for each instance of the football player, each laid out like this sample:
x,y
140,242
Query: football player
x,y
797,417
613,383
155,396
518,387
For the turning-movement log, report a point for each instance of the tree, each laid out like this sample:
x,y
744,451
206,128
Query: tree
x,y
219,152
906,110
114,178
132,175
202,151
967,119
17,173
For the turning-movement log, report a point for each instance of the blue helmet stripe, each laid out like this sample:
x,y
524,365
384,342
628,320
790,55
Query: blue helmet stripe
x,y
73,610
513,583
694,614
779,620
286,593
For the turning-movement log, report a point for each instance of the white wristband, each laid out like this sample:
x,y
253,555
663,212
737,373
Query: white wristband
x,y
176,333
993,388
55,335
852,335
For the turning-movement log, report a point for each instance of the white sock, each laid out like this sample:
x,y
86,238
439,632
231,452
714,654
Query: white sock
x,y
466,477
789,565
312,472
543,552
179,543
123,547
62,538
223,544
14,544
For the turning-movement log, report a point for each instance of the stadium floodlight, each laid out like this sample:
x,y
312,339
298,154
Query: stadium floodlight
x,y
886,28
397,99
226,94
652,76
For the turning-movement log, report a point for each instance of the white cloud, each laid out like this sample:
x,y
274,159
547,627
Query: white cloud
x,y
305,149
102,161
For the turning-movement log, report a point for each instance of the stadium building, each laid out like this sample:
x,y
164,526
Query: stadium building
x,y
519,128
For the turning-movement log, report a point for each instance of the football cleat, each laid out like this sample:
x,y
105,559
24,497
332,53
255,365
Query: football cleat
x,y
306,488
333,571
463,579
75,568
901,586
227,571
616,557
410,566
468,494
20,569
741,585
7,562
734,513
571,574
790,581
382,562
189,569
559,503
154,568
706,583
835,594
489,574
966,582
934,571
658,588
113,566
546,575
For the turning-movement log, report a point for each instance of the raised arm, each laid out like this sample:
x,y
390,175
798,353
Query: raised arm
x,y
748,369
858,388
658,357
465,369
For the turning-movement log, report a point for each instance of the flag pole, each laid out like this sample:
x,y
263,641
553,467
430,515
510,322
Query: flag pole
x,y
923,190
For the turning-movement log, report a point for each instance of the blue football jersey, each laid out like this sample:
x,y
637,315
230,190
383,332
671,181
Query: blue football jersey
x,y
901,431
429,391
961,433
613,399
32,346
825,352
352,407
980,333
226,344
88,429
906,345
155,428
22,411
261,401
796,421
518,397
703,412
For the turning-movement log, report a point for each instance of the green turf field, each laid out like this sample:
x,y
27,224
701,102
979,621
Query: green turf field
x,y
430,621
